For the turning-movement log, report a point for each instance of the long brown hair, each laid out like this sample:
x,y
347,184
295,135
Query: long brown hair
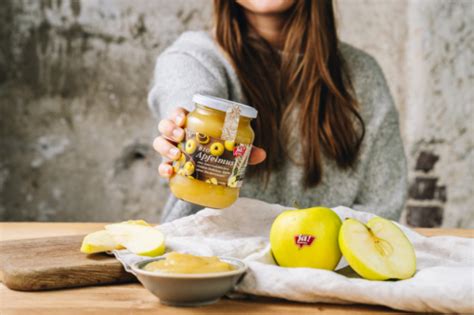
x,y
307,78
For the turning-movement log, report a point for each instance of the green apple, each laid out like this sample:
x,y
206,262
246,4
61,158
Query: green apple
x,y
103,241
306,238
378,250
97,242
139,239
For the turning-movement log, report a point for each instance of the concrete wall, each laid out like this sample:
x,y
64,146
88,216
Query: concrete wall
x,y
75,132
75,127
426,49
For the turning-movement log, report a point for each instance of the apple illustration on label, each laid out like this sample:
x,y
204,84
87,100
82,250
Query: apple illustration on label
x,y
378,250
306,238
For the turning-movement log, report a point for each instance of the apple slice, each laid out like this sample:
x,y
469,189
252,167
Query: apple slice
x,y
137,222
102,241
139,239
97,242
378,250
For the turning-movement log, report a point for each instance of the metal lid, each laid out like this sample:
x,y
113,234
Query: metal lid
x,y
223,105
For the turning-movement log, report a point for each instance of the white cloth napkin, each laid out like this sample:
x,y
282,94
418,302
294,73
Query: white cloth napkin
x,y
444,281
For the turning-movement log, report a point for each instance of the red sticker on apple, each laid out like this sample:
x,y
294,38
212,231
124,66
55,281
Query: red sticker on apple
x,y
304,240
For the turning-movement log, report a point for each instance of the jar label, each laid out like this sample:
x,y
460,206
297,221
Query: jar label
x,y
215,161
231,123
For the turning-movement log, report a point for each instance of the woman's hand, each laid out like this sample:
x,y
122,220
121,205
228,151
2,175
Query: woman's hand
x,y
172,132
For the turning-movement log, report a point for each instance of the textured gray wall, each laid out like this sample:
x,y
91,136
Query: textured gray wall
x,y
439,116
75,128
75,131
426,49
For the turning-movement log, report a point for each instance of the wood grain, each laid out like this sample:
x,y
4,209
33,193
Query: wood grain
x,y
25,230
134,299
55,262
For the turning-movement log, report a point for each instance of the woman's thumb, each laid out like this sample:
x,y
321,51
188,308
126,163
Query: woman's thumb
x,y
257,155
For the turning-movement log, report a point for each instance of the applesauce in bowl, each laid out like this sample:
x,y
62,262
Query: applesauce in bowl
x,y
186,263
214,154
202,281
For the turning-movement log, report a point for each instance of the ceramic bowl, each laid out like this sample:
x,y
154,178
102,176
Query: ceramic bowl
x,y
181,289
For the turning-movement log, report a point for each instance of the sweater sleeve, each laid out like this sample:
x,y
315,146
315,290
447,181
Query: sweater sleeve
x,y
383,189
177,77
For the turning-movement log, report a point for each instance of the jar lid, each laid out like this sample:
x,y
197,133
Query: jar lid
x,y
223,105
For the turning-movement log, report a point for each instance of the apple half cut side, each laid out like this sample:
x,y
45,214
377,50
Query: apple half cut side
x,y
378,250
139,239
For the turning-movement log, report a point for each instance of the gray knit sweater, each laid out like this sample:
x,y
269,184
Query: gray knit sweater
x,y
377,183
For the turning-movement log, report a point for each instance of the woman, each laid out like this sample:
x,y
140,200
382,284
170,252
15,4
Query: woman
x,y
327,131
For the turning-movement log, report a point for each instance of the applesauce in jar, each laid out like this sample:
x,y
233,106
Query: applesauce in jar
x,y
214,153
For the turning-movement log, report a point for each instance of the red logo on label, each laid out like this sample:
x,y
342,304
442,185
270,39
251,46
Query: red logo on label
x,y
304,240
240,150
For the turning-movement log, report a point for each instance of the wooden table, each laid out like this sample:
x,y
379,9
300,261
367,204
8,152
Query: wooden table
x,y
134,299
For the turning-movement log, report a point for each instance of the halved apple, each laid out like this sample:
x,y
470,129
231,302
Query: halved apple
x,y
139,239
378,250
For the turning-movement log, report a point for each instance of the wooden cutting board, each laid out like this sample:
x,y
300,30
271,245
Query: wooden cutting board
x,y
55,263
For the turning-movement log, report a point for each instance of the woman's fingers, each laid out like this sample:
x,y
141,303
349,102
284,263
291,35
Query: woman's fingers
x,y
166,148
165,170
257,155
171,130
178,116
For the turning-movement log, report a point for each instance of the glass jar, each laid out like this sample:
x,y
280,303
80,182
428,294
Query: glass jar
x,y
214,154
